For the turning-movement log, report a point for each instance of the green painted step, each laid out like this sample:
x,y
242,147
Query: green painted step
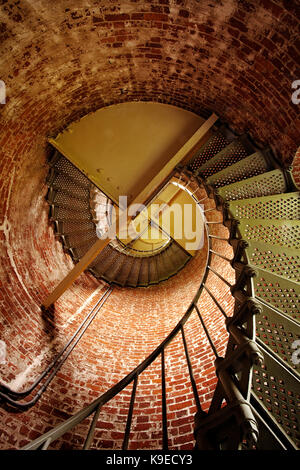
x,y
265,184
278,292
285,233
214,145
279,206
283,261
253,165
276,388
237,150
278,334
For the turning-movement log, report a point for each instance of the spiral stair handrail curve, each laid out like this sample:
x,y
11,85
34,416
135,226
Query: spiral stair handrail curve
x,y
241,346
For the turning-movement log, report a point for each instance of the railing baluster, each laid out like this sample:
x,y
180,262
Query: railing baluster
x,y
192,378
90,435
219,238
46,444
215,300
202,200
219,276
164,401
220,255
129,416
207,333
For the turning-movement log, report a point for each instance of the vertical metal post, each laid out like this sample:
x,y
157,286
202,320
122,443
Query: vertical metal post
x,y
129,416
164,401
206,332
192,378
90,435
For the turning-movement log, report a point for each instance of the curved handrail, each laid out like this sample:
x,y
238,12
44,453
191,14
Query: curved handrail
x,y
233,394
113,391
11,396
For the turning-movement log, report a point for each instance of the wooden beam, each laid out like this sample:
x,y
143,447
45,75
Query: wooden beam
x,y
100,244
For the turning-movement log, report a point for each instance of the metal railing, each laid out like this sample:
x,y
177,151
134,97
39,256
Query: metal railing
x,y
12,397
236,418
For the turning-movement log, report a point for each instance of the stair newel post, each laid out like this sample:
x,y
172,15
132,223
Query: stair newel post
x,y
239,247
245,429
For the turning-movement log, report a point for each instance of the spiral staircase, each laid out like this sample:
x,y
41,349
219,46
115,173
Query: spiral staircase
x,y
244,190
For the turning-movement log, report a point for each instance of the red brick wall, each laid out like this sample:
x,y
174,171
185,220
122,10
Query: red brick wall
x,y
237,58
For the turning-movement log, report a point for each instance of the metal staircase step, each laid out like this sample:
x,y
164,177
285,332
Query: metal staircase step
x,y
153,274
79,251
168,260
125,270
144,273
278,333
266,184
69,227
181,257
63,214
285,262
275,389
237,150
285,233
64,166
75,240
62,182
253,165
133,277
61,199
104,261
278,206
111,274
162,269
214,145
278,292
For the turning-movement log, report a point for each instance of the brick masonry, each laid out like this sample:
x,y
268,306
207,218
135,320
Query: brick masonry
x,y
59,62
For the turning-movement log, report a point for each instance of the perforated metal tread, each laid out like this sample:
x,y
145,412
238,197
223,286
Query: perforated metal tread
x,y
125,271
279,392
285,233
266,184
144,273
253,165
284,262
64,183
64,166
111,274
278,333
63,214
75,240
237,150
133,277
279,206
63,199
214,145
278,292
153,277
69,226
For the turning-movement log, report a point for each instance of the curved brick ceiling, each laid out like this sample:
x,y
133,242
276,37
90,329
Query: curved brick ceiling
x,y
62,59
